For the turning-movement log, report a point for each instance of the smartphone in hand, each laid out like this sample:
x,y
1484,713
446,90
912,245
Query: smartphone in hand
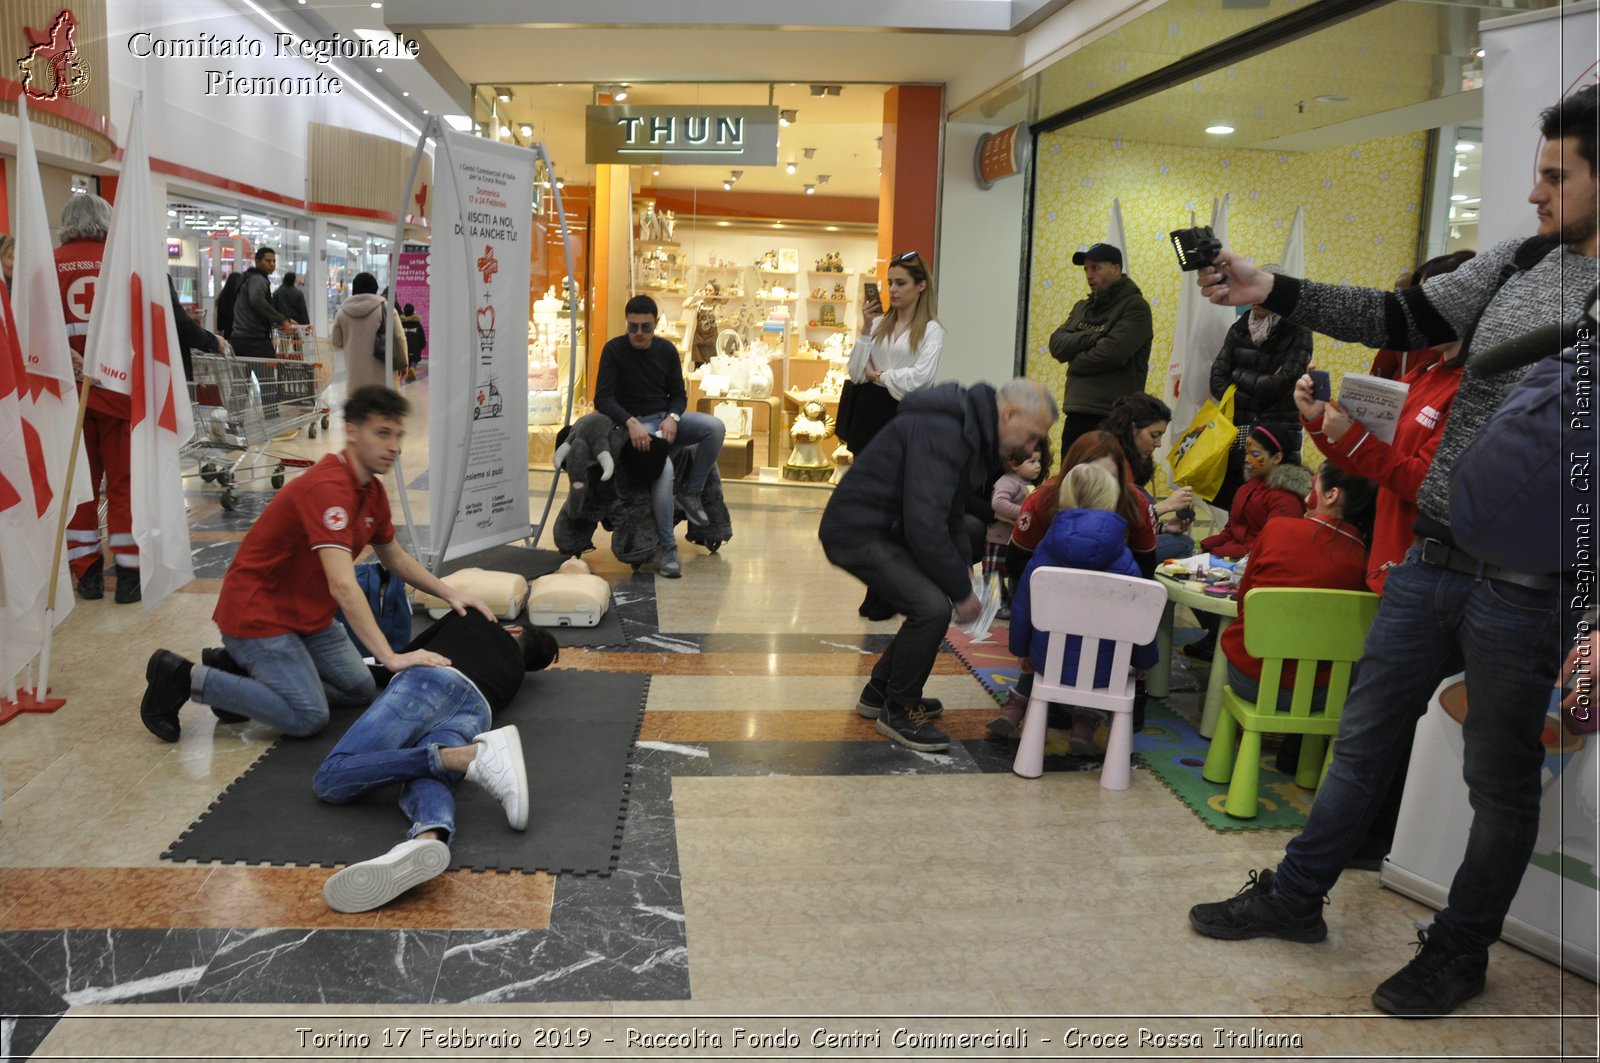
x,y
1321,386
870,292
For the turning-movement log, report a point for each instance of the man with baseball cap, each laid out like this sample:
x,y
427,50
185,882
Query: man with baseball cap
x,y
1105,342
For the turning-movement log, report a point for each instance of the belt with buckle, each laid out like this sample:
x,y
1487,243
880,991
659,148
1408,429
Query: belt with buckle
x,y
1455,559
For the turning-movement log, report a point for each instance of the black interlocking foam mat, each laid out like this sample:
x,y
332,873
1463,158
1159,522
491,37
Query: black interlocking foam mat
x,y
577,730
626,597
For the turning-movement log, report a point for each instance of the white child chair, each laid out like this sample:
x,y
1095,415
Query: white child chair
x,y
1097,606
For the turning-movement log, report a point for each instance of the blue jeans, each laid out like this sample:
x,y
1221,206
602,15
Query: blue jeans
x,y
397,740
693,428
1169,546
292,680
1250,689
891,573
1431,621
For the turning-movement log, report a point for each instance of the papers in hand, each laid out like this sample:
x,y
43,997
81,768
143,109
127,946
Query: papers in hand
x,y
988,592
1374,402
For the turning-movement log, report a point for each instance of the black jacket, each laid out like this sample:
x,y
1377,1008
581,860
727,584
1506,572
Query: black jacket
x,y
292,301
1105,343
1265,377
913,483
191,337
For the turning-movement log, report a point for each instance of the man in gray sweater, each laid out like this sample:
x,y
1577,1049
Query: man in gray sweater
x,y
254,315
1443,610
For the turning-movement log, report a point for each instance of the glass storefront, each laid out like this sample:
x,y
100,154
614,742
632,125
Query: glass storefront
x,y
208,239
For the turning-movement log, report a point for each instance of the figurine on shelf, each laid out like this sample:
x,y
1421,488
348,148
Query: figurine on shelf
x,y
668,222
811,426
838,292
828,316
768,261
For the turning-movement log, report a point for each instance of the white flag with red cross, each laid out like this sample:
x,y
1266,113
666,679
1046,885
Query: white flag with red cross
x,y
25,495
133,349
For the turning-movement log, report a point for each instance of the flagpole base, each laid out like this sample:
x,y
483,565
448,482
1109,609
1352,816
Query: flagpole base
x,y
29,701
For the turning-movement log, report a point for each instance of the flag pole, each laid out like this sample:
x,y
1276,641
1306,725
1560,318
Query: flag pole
x,y
39,699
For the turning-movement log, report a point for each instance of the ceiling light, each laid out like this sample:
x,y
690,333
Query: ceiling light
x,y
525,129
724,224
1458,198
811,190
405,94
737,174
655,173
790,167
831,228
172,214
822,178
809,153
1479,53
424,110
1466,145
1329,98
561,182
826,90
502,93
727,186
1219,130
376,4
620,93
789,117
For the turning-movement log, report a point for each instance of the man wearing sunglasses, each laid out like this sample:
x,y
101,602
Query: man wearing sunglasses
x,y
640,387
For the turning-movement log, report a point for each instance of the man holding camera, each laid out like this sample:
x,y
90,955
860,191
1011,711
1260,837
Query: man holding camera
x,y
1105,342
1442,610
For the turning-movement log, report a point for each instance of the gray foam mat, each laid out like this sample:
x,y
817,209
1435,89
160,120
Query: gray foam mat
x,y
577,730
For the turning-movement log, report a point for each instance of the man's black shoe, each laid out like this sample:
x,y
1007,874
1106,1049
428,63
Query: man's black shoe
x,y
1201,649
1444,975
128,590
219,658
167,688
1256,911
870,704
912,730
693,508
92,584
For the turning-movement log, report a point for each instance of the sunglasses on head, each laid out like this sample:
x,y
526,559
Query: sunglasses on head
x,y
907,257
647,327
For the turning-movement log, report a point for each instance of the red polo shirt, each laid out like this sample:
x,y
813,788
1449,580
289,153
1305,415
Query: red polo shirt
x,y
276,585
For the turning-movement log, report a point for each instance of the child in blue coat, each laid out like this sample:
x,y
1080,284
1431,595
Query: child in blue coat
x,y
1086,533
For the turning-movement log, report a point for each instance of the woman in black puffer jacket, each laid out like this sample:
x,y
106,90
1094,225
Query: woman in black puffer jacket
x,y
1263,356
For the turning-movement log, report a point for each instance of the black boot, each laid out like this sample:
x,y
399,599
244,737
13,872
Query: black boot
x,y
167,688
92,584
127,585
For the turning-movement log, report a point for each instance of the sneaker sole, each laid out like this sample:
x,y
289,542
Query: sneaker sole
x,y
870,712
921,747
1431,1013
365,886
1229,933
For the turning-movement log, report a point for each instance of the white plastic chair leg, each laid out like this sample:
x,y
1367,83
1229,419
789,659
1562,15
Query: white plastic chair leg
x,y
1029,762
1116,771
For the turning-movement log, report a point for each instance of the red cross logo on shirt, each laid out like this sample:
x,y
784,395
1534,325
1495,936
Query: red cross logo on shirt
x,y
80,298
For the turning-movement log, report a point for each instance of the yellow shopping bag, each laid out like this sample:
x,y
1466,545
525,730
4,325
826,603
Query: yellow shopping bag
x,y
1199,458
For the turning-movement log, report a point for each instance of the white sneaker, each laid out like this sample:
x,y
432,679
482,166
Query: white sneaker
x,y
371,883
498,768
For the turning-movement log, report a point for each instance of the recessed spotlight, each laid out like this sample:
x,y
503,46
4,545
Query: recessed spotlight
x,y
822,178
724,224
1466,145
1458,198
809,153
655,173
811,190
790,167
788,118
525,129
405,94
502,93
1219,130
376,4
831,228
424,110
172,214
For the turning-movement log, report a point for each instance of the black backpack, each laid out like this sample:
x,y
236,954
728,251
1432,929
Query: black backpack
x,y
380,343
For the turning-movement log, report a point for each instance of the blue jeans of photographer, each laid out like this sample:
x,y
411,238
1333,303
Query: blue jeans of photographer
x,y
1432,621
693,428
398,739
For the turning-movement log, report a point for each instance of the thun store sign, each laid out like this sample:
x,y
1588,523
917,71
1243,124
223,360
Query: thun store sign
x,y
710,136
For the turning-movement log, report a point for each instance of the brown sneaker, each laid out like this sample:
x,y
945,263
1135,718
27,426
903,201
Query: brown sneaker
x,y
1011,714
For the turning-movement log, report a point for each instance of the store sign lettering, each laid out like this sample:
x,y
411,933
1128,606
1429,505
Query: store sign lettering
x,y
633,135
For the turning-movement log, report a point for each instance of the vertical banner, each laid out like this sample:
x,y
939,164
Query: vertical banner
x,y
1514,92
478,298
411,284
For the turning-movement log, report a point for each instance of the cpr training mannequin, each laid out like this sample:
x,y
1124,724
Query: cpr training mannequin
x,y
572,596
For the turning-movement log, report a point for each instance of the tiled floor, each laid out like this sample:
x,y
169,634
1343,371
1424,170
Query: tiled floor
x,y
779,859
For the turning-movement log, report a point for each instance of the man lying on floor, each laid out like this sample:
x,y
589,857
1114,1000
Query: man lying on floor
x,y
427,730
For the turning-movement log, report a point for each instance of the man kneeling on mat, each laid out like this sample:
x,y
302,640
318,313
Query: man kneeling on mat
x,y
427,730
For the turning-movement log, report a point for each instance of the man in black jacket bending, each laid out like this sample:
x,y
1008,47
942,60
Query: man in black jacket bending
x,y
897,523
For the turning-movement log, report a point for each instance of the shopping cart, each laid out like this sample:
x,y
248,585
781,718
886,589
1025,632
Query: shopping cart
x,y
241,405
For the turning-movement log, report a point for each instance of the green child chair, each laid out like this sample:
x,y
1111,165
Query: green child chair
x,y
1305,627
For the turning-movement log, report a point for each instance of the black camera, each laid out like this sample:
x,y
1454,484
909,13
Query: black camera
x,y
1196,247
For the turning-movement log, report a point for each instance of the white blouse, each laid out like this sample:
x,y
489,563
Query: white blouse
x,y
902,369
